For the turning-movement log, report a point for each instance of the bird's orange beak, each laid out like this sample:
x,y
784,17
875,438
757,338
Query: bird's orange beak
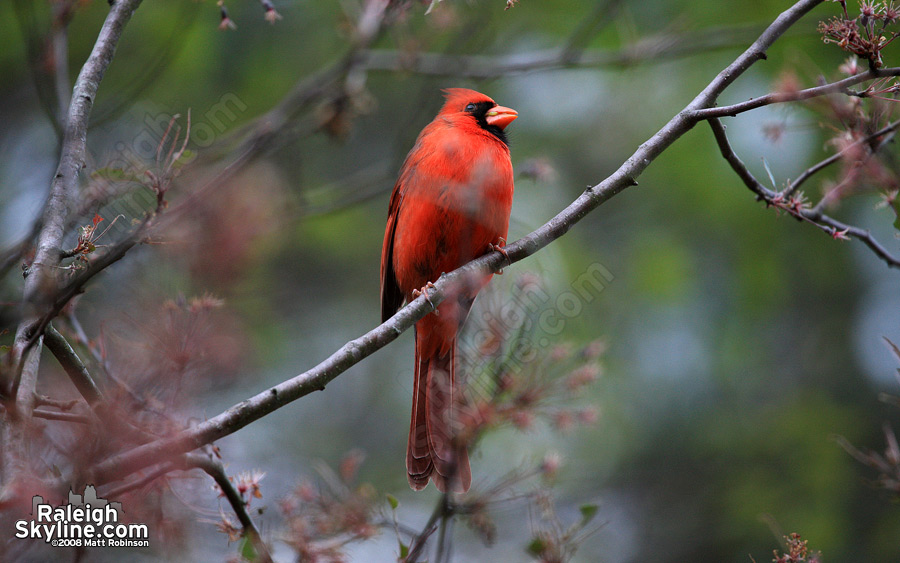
x,y
500,116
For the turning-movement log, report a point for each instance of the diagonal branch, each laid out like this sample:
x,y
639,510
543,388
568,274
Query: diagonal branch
x,y
73,366
254,408
216,470
876,141
832,227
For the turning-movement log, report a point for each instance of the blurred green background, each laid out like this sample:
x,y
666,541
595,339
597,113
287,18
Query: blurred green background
x,y
740,343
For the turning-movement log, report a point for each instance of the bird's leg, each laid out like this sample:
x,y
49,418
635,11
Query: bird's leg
x,y
424,291
501,242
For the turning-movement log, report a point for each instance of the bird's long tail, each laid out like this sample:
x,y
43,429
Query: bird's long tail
x,y
433,450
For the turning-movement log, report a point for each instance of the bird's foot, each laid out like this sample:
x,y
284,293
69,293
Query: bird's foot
x,y
424,291
501,242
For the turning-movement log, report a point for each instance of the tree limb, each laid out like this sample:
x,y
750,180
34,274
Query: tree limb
x,y
41,283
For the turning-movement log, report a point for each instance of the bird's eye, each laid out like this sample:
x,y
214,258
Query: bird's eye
x,y
470,107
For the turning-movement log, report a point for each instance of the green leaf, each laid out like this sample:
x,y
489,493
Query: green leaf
x,y
896,205
536,547
404,550
247,550
186,158
588,511
115,175
392,500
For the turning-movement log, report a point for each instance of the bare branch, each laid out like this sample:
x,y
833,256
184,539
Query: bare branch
x,y
56,415
762,193
178,464
839,87
664,46
792,187
861,234
41,283
832,227
42,400
73,366
216,470
441,511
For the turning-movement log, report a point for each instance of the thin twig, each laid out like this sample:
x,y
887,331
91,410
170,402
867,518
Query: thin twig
x,y
838,87
178,464
792,187
441,510
830,226
84,383
56,415
73,366
67,405
654,49
216,470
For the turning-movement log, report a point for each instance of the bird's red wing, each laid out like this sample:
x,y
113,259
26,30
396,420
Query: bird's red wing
x,y
391,295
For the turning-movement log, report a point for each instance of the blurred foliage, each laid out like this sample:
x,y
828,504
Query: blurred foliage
x,y
739,342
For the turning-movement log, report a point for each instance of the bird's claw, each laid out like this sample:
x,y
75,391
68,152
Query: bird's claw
x,y
501,242
424,291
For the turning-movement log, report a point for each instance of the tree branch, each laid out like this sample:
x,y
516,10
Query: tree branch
x,y
254,408
664,46
832,227
216,470
55,415
73,366
177,464
792,187
841,86
41,283
442,511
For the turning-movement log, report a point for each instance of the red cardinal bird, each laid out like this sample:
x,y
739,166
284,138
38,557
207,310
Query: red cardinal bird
x,y
450,205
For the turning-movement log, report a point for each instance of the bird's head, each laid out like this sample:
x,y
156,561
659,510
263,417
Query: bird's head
x,y
470,106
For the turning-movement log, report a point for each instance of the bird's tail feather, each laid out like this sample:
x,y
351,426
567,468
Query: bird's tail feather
x,y
433,450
